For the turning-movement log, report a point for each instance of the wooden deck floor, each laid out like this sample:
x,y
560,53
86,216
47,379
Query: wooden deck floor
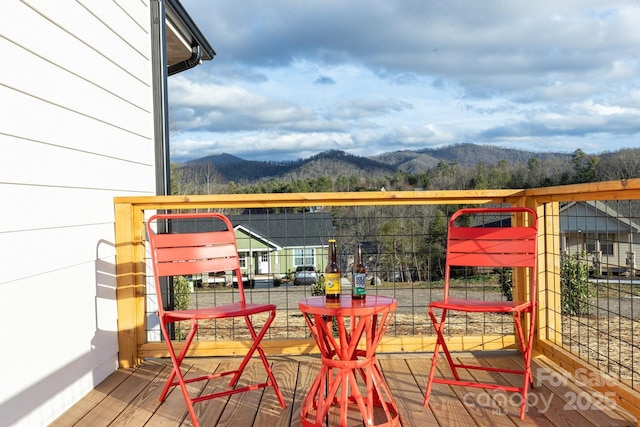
x,y
130,397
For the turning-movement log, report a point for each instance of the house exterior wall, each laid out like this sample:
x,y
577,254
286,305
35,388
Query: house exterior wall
x,y
584,228
287,256
76,129
610,263
250,248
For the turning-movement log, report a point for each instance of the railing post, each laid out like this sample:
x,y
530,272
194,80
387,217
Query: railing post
x,y
520,291
130,276
549,309
521,275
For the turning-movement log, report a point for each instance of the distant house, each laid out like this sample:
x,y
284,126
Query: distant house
x,y
83,119
278,243
275,244
610,238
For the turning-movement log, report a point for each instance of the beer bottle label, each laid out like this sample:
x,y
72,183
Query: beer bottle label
x,y
359,280
332,284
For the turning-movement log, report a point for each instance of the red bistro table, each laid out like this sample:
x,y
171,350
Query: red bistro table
x,y
349,372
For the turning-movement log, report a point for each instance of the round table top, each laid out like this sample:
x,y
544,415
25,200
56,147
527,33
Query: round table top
x,y
346,306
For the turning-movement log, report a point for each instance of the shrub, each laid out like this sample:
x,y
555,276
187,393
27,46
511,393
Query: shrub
x,y
506,282
574,285
288,276
181,300
318,287
181,293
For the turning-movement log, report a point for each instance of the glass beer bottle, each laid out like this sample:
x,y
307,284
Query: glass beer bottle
x,y
332,273
359,276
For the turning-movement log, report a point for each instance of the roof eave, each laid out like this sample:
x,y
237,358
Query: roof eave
x,y
187,46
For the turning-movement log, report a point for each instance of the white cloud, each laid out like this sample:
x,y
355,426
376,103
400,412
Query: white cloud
x,y
295,78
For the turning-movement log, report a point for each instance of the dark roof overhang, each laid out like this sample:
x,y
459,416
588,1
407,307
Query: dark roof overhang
x,y
186,45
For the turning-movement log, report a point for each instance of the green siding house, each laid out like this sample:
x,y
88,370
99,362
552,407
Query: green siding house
x,y
275,244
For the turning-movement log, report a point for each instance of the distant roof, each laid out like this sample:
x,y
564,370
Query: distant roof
x,y
282,230
289,229
622,211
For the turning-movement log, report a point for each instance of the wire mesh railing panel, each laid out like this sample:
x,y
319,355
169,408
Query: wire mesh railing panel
x,y
598,302
594,313
403,250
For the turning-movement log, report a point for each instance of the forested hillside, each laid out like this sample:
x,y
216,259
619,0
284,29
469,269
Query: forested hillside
x,y
463,166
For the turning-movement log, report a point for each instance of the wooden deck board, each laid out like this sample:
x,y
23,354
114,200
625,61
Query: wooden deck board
x,y
447,408
146,403
173,410
306,368
509,402
242,408
479,402
130,397
598,408
407,392
93,399
499,402
552,407
271,413
120,398
211,410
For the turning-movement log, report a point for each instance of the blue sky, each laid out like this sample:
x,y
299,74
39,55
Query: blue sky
x,y
293,78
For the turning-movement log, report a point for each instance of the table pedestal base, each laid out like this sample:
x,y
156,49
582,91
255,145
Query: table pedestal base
x,y
347,334
343,386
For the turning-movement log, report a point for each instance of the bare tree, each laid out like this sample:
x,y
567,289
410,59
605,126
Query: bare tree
x,y
621,165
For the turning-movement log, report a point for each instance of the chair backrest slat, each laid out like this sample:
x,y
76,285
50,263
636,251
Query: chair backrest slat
x,y
492,233
492,245
195,253
489,260
203,238
201,259
504,246
181,253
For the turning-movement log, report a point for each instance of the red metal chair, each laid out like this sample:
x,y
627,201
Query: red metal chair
x,y
189,253
491,245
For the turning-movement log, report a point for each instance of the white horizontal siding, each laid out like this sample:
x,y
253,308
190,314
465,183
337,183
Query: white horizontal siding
x,y
137,10
37,207
30,118
38,252
127,105
58,166
62,346
76,130
113,35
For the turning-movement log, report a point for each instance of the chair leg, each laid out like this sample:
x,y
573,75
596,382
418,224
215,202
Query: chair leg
x,y
265,362
439,327
257,346
528,376
176,361
432,371
176,372
526,348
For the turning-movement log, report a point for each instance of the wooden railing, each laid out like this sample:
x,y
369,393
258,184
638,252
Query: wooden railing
x,y
130,213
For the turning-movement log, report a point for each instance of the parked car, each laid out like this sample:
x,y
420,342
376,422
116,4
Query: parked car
x,y
305,275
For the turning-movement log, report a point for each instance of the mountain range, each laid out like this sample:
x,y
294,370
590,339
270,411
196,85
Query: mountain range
x,y
335,162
